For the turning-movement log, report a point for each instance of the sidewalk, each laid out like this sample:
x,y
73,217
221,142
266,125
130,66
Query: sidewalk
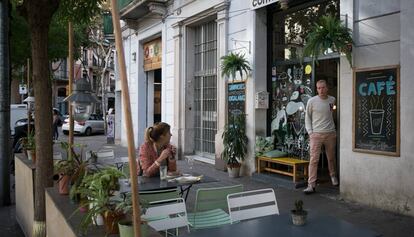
x,y
326,201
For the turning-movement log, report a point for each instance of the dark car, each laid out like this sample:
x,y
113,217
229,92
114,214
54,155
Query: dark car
x,y
20,130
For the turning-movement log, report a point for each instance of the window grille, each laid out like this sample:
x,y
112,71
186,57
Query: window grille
x,y
205,88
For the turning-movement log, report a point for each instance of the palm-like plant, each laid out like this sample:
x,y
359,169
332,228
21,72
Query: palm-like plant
x,y
329,33
235,141
233,63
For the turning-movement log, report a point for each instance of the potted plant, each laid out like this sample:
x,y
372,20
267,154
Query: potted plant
x,y
93,157
329,34
29,145
235,143
99,188
298,214
70,171
233,63
125,225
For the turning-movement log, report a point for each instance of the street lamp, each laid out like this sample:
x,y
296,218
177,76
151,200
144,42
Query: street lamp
x,y
82,100
30,101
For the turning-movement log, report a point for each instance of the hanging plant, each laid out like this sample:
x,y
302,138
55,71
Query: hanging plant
x,y
329,33
233,63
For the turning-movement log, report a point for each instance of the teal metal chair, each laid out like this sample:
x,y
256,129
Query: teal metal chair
x,y
149,198
210,206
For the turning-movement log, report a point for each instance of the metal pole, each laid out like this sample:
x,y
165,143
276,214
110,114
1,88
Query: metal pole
x,y
5,148
128,118
29,105
70,56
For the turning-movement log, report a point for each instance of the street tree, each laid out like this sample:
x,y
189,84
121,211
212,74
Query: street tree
x,y
39,15
104,50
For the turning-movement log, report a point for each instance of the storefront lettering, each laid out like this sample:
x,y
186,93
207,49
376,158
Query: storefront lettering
x,y
261,3
235,87
376,88
237,98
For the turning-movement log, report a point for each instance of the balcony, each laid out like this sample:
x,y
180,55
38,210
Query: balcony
x,y
136,9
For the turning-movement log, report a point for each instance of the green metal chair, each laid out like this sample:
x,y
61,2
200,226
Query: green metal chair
x,y
209,207
158,195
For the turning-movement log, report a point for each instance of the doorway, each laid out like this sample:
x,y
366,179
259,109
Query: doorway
x,y
154,86
292,78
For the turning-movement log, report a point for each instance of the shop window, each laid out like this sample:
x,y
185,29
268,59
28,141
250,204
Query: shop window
x,y
293,77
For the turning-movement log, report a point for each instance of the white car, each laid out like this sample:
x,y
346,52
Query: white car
x,y
95,124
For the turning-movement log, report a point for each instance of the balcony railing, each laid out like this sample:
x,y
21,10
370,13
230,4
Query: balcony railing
x,y
123,3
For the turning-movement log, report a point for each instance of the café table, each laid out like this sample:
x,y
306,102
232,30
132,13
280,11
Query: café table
x,y
281,225
117,161
155,183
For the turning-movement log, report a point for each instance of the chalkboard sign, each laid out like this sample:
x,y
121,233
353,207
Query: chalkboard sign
x,y
236,98
376,119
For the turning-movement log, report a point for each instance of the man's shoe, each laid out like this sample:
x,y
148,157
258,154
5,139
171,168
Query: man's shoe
x,y
309,190
334,181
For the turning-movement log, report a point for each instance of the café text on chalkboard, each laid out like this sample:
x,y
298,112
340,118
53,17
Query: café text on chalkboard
x,y
376,121
236,98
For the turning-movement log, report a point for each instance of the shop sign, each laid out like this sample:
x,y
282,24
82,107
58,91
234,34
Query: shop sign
x,y
376,111
22,89
236,98
152,55
255,4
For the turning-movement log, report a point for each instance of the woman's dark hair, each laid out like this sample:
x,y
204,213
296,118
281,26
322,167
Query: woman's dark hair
x,y
153,134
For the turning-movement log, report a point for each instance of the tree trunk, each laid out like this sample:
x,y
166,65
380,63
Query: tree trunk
x,y
4,104
39,15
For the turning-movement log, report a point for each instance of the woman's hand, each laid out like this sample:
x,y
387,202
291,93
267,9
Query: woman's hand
x,y
164,154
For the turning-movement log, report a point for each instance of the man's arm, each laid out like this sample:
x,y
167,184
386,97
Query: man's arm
x,y
308,118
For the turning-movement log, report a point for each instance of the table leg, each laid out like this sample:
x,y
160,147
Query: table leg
x,y
294,173
186,190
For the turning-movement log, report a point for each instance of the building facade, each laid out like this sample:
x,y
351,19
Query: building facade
x,y
189,37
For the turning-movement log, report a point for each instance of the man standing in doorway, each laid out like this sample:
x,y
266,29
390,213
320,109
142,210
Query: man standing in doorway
x,y
321,129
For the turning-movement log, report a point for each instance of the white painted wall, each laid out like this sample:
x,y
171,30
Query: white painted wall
x,y
137,78
377,180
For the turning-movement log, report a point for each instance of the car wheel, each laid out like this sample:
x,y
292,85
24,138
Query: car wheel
x,y
18,147
65,132
88,131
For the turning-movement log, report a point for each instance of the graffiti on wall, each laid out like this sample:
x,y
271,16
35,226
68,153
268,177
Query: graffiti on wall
x,y
291,88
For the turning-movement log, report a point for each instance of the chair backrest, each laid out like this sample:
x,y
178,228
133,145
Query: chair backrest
x,y
214,198
252,204
57,156
158,195
109,153
167,214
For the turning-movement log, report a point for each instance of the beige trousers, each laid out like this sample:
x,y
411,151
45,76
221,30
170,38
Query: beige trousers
x,y
315,143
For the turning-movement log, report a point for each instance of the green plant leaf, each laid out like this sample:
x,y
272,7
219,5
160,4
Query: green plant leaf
x,y
329,32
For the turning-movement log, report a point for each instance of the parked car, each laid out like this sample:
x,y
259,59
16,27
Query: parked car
x,y
17,112
94,124
20,130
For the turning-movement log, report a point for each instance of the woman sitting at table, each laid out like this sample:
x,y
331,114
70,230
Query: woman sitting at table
x,y
157,150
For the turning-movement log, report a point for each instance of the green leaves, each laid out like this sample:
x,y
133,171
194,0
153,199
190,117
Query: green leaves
x,y
329,33
233,63
235,140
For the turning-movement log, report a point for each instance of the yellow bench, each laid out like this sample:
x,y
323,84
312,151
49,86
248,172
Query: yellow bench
x,y
299,167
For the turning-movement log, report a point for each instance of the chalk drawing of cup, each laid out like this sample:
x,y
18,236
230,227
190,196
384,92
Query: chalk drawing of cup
x,y
377,117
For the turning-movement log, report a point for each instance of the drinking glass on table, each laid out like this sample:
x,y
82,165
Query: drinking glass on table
x,y
190,162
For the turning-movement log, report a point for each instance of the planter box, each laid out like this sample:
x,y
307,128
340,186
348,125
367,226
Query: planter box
x,y
24,185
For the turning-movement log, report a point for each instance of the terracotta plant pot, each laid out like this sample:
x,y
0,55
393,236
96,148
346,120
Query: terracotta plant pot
x,y
63,184
111,220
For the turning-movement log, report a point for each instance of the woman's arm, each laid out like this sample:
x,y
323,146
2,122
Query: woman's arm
x,y
172,162
147,158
